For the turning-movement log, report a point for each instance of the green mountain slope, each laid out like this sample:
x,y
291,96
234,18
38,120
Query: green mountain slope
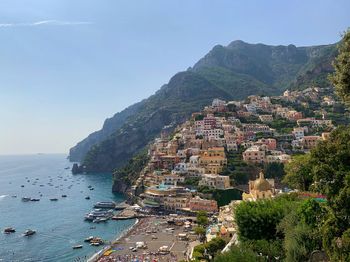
x,y
232,72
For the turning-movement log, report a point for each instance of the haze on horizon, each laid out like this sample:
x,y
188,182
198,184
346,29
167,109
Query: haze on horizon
x,y
67,65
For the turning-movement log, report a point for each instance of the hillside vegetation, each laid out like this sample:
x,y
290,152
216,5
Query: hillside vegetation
x,y
232,72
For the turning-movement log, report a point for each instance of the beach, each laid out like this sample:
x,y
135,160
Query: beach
x,y
157,241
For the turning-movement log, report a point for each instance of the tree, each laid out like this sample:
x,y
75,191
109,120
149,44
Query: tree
x,y
259,220
215,245
298,173
202,218
274,170
341,76
200,231
241,254
330,162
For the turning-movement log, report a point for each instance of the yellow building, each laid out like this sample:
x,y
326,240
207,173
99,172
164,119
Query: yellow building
x,y
213,160
260,188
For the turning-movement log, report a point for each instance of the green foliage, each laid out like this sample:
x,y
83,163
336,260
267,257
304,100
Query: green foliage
x,y
238,170
282,125
132,169
327,168
211,248
274,170
341,77
259,220
239,254
298,173
271,249
224,197
202,218
192,181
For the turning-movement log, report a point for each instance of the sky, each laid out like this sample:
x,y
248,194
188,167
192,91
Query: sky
x,y
65,66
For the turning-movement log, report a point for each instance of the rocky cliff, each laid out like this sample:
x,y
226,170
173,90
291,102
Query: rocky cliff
x,y
232,72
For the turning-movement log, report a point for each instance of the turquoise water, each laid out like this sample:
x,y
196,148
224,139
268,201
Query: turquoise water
x,y
59,224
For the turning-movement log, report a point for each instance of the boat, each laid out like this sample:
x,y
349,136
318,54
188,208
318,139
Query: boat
x,y
9,230
121,206
64,195
99,219
54,199
105,204
29,232
92,188
88,239
22,185
26,199
77,246
67,167
87,197
34,199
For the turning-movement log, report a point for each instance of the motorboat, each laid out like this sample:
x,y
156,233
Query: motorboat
x,y
64,195
34,199
87,197
105,204
88,239
77,246
53,199
100,219
26,199
29,232
9,230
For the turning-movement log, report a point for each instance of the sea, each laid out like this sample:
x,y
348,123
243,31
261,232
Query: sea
x,y
59,224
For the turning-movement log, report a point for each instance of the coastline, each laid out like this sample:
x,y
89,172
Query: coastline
x,y
95,257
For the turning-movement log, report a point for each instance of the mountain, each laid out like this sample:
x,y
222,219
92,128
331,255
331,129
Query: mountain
x,y
227,72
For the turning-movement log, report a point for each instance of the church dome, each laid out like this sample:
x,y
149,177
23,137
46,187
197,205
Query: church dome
x,y
261,183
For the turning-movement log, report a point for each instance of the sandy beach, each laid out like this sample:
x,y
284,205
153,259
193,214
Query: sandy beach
x,y
157,236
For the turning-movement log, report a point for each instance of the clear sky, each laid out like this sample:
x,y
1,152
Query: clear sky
x,y
66,65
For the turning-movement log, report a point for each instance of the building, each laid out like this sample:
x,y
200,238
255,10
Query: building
x,y
199,204
254,154
298,132
260,188
266,118
213,160
176,203
309,142
215,181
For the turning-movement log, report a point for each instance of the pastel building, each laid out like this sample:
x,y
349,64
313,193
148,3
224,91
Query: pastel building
x,y
199,204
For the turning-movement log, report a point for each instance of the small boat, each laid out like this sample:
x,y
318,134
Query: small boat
x,y
87,197
35,199
88,239
14,196
77,246
64,195
9,230
53,199
22,185
26,199
67,167
96,244
91,188
29,232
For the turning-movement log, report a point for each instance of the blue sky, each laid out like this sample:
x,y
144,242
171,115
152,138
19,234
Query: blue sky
x,y
67,65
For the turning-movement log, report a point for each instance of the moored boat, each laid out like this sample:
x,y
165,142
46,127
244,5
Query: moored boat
x,y
9,230
105,204
29,232
77,246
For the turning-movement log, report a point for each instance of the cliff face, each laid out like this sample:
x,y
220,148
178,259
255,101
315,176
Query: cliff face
x,y
232,72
